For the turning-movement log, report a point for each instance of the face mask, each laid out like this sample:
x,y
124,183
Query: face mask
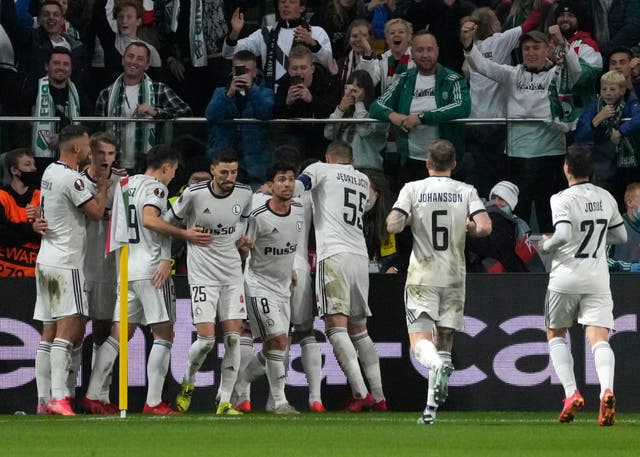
x,y
30,179
506,209
636,214
372,201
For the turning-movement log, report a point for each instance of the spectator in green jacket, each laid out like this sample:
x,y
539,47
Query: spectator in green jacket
x,y
419,102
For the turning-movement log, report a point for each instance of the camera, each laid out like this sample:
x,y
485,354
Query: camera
x,y
296,79
239,70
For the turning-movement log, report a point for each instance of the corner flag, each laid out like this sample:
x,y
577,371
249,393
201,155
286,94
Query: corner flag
x,y
119,239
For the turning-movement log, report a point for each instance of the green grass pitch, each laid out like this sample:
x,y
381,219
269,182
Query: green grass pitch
x,y
328,435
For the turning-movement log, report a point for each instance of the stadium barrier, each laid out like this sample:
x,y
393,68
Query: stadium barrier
x,y
501,359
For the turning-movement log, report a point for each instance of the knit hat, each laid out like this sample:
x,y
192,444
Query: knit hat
x,y
567,6
507,191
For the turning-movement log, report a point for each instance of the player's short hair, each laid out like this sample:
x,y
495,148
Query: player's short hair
x,y
59,50
632,188
12,157
578,160
49,2
71,132
340,149
442,155
613,77
287,153
407,25
140,44
122,4
244,56
227,155
103,137
281,167
160,154
301,52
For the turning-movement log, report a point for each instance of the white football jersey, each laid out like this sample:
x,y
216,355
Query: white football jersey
x,y
580,266
339,194
63,192
439,208
218,263
275,239
301,261
97,266
146,247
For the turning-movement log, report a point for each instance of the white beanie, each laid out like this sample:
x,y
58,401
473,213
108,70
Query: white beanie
x,y
507,191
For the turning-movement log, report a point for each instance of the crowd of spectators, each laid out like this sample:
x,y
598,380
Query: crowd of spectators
x,y
415,64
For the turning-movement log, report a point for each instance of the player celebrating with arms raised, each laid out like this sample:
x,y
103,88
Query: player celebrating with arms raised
x,y
578,288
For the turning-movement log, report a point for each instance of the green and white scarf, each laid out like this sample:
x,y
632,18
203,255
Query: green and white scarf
x,y
625,150
197,46
45,107
145,131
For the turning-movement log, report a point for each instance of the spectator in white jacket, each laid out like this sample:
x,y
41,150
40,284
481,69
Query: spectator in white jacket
x,y
535,148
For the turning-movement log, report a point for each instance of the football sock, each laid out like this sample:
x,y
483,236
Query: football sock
x,y
563,364
60,364
76,362
370,362
605,361
312,366
230,365
431,401
102,367
347,358
43,372
246,355
276,376
197,354
425,352
157,368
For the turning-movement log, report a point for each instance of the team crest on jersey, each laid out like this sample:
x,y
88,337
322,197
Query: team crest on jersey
x,y
198,311
299,226
270,322
236,209
158,192
78,184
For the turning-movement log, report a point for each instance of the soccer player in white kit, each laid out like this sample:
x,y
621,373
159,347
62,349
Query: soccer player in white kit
x,y
585,218
220,207
151,297
274,229
61,302
340,195
441,212
100,270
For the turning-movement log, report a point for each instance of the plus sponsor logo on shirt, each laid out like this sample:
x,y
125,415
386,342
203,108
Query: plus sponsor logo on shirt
x,y
288,249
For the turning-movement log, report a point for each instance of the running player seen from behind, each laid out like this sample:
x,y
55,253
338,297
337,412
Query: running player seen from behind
x,y
274,229
100,270
441,212
61,303
340,194
219,207
151,294
585,218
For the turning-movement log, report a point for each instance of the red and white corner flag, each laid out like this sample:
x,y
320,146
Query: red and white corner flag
x,y
119,221
119,238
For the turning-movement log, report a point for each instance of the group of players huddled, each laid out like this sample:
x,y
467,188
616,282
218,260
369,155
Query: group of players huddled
x,y
225,225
